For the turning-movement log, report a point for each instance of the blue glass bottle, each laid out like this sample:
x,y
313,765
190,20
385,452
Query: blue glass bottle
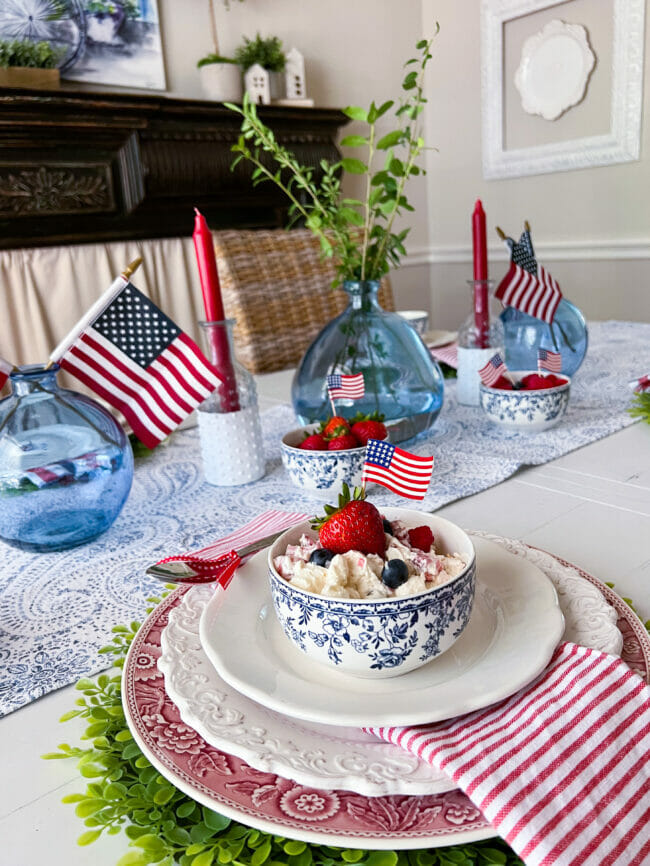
x,y
66,465
401,378
524,335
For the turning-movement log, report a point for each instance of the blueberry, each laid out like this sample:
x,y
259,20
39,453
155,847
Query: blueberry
x,y
321,556
387,527
395,573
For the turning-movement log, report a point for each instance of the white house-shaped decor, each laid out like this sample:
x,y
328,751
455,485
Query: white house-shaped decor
x,y
295,75
256,81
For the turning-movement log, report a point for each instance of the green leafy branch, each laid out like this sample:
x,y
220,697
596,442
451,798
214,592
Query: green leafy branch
x,y
640,407
358,234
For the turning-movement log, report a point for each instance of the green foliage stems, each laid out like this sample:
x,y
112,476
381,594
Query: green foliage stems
x,y
35,55
267,52
357,234
214,58
640,407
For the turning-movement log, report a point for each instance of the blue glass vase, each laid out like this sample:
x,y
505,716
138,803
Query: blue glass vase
x,y
66,465
401,379
524,335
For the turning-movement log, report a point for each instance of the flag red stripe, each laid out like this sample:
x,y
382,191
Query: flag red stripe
x,y
143,433
126,377
135,384
141,414
192,359
411,492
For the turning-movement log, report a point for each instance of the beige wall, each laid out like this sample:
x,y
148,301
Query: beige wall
x,y
591,227
354,52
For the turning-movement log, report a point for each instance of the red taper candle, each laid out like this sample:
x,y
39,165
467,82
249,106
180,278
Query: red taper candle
x,y
214,312
208,273
479,244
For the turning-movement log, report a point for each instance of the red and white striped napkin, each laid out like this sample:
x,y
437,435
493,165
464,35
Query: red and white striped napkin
x,y
447,354
264,524
562,768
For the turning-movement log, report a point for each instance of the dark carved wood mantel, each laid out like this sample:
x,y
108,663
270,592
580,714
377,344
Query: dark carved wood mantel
x,y
77,166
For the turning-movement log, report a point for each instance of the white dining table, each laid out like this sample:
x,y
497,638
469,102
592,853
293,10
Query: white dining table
x,y
590,507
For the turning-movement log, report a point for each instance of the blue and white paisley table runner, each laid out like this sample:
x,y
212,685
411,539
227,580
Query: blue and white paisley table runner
x,y
57,609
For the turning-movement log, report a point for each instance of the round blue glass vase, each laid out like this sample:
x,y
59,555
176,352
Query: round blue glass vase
x,y
401,379
524,335
66,465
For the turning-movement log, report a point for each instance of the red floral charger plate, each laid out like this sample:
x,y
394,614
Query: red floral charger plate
x,y
277,805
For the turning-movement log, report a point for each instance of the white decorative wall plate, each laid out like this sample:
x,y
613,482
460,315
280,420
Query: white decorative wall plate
x,y
621,142
554,70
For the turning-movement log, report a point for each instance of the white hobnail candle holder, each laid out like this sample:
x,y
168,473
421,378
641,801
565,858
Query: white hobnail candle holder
x,y
231,446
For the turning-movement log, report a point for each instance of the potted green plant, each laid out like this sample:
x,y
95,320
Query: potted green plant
x,y
360,234
24,63
220,76
269,54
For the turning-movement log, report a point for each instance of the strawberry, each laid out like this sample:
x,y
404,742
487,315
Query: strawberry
x,y
315,442
535,382
421,537
354,525
334,426
369,429
503,383
341,443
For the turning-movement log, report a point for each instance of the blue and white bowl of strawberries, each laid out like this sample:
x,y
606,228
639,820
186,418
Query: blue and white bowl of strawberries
x,y
320,472
378,637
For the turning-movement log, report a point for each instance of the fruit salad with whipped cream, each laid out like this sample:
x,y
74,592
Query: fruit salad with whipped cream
x,y
408,564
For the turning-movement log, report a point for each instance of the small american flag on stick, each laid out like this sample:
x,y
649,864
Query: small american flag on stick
x,y
341,386
398,470
547,360
493,370
537,294
136,359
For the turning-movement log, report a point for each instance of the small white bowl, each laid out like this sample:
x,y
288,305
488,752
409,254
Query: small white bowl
x,y
320,472
528,411
417,319
378,638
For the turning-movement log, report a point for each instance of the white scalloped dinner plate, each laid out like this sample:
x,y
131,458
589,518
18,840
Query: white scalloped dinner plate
x,y
515,625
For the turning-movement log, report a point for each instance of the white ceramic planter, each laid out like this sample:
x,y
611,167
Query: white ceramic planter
x,y
221,82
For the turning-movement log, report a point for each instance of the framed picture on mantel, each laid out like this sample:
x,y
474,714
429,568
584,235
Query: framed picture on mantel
x,y
122,45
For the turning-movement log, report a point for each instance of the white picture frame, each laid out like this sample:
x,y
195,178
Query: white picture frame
x,y
621,143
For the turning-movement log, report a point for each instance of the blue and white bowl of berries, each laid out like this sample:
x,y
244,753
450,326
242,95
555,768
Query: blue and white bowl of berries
x,y
539,402
401,620
320,472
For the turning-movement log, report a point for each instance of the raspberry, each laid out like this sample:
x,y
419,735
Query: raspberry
x,y
421,537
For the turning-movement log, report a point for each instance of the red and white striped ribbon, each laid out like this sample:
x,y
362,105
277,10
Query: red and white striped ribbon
x,y
263,524
562,768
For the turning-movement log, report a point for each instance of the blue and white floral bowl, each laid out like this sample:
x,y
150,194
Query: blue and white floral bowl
x,y
321,472
528,411
378,638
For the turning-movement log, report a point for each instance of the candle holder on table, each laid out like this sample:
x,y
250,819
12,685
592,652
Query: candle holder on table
x,y
479,337
229,420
